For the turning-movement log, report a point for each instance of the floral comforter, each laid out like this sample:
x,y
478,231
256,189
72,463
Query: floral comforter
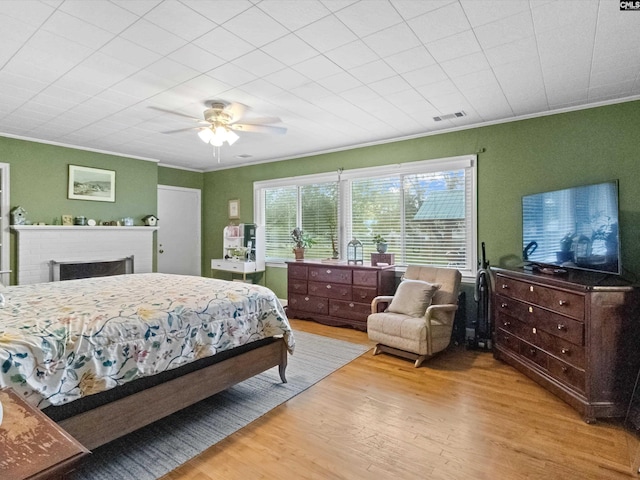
x,y
61,341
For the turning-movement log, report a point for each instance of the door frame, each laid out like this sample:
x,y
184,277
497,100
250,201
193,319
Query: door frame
x,y
198,193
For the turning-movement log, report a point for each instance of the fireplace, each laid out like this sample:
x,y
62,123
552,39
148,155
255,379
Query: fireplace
x,y
71,270
38,245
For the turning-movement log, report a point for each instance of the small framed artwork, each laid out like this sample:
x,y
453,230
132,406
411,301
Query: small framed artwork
x,y
234,209
95,184
67,219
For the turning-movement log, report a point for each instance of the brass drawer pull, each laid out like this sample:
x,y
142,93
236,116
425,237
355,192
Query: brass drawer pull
x,y
565,351
351,305
306,299
328,272
506,324
504,305
564,369
532,351
329,287
561,326
505,286
563,303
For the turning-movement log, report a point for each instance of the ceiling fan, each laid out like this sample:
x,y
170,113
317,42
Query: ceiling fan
x,y
223,120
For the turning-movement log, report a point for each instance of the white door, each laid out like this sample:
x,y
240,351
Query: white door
x,y
179,230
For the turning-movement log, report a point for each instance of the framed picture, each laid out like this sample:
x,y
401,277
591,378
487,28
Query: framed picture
x,y
95,184
67,219
234,209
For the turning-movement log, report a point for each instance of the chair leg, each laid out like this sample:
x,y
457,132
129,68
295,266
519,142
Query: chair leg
x,y
377,350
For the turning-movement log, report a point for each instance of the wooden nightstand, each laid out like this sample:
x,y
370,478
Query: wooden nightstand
x,y
32,446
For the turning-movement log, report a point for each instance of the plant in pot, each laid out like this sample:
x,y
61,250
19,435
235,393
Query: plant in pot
x,y
301,241
380,242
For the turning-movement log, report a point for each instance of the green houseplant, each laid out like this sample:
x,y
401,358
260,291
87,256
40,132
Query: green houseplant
x,y
301,241
380,243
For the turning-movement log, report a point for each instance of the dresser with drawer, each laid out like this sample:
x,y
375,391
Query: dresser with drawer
x,y
577,335
336,294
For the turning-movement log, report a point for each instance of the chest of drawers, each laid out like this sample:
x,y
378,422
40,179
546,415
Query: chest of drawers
x,y
577,339
336,294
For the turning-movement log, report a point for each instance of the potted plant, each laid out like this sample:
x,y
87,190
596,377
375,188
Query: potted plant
x,y
301,241
380,242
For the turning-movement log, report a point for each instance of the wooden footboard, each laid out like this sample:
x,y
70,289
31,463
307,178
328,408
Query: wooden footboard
x,y
108,422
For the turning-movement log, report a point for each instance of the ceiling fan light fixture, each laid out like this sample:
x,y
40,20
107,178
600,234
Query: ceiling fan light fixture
x,y
205,135
232,137
216,141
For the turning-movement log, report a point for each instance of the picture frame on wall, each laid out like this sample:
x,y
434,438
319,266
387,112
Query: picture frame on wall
x,y
234,209
96,184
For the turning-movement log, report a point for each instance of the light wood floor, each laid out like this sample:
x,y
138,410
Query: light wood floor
x,y
462,415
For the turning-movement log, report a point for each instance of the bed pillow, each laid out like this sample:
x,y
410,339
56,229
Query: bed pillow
x,y
413,297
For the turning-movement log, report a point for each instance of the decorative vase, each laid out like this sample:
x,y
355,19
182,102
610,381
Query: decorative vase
x,y
381,247
299,253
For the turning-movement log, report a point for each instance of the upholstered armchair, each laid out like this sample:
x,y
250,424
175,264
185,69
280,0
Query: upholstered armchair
x,y
418,319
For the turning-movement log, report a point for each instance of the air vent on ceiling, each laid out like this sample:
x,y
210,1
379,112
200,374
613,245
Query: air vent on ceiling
x,y
244,155
449,116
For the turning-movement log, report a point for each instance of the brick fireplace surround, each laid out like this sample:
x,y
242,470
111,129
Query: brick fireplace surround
x,y
37,245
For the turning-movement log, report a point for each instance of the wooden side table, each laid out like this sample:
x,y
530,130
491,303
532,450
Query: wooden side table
x,y
32,446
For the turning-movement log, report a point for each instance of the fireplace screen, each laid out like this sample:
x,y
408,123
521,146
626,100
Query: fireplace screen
x,y
87,269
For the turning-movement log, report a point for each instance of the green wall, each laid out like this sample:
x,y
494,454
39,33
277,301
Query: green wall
x,y
175,177
39,176
515,158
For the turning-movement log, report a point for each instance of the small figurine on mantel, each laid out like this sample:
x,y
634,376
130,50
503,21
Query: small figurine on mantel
x,y
18,216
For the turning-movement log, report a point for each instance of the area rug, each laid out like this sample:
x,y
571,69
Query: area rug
x,y
153,451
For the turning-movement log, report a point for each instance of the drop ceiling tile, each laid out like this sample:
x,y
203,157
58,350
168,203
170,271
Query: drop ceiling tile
x,y
439,24
224,44
229,73
76,30
287,78
566,97
30,12
219,11
142,85
262,88
364,20
290,50
525,49
258,63
410,60
425,76
464,65
352,55
359,94
129,52
326,34
482,13
438,89
311,92
15,30
317,67
138,7
256,27
411,8
294,15
454,46
8,48
506,30
152,37
557,47
171,71
392,40
372,72
105,15
196,58
566,15
340,82
180,20
209,86
471,81
390,85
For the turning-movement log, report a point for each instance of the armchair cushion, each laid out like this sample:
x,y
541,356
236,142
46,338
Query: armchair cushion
x,y
413,297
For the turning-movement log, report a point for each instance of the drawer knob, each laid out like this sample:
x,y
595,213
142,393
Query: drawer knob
x,y
564,369
563,302
565,351
306,299
506,324
328,272
532,351
504,305
329,287
351,305
505,286
562,326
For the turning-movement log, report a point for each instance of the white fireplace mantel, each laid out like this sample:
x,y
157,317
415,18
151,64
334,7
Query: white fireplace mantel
x,y
37,245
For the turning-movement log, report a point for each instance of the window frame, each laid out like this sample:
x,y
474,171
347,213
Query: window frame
x,y
344,177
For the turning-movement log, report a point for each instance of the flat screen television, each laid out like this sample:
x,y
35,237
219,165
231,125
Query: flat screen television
x,y
573,228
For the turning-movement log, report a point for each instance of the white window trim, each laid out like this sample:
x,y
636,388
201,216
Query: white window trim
x,y
5,217
423,166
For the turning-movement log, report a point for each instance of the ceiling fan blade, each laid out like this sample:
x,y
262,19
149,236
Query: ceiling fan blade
x,y
261,120
164,110
246,127
183,130
236,110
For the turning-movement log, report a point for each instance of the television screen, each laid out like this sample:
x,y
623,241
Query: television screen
x,y
575,228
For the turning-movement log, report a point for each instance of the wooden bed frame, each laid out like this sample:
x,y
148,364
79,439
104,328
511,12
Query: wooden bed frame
x,y
107,422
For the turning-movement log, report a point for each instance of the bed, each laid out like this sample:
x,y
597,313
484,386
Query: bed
x,y
105,356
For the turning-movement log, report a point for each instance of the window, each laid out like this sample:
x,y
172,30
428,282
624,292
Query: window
x,y
425,210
